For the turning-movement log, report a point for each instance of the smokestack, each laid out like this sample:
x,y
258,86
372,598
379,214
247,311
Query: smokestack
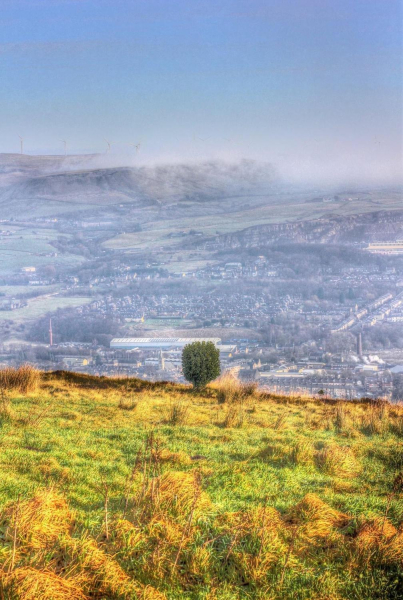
x,y
50,333
359,344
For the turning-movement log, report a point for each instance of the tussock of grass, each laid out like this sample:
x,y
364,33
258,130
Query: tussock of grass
x,y
376,420
127,404
176,493
176,412
39,521
338,461
315,518
98,570
6,410
303,452
230,390
24,379
164,455
235,416
256,545
26,583
378,541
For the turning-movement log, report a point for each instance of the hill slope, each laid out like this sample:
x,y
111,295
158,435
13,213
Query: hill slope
x,y
127,489
64,181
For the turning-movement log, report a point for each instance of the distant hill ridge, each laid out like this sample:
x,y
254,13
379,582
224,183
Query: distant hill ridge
x,y
372,226
75,180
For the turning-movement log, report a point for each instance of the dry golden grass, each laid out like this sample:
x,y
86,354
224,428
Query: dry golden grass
x,y
127,403
176,493
256,542
164,455
229,390
376,420
303,452
176,412
6,410
26,583
339,461
40,521
379,541
97,570
24,379
315,518
235,416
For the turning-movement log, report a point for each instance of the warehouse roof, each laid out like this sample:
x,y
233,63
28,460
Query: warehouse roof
x,y
161,340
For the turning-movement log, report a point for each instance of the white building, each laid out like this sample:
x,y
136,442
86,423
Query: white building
x,y
158,342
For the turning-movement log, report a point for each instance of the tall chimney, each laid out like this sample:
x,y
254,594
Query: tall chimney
x,y
359,344
50,333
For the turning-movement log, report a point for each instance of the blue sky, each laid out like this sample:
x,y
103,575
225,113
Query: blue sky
x,y
312,85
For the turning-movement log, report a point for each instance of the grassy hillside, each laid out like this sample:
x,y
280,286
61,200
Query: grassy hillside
x,y
120,489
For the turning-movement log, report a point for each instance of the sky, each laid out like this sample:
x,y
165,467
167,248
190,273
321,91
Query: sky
x,y
312,86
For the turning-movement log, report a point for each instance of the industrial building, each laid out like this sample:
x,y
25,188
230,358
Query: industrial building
x,y
158,342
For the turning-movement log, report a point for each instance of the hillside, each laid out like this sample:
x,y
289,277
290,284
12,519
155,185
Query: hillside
x,y
240,194
120,488
371,226
76,181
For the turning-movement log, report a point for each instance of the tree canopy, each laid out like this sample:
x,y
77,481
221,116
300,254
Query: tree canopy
x,y
200,363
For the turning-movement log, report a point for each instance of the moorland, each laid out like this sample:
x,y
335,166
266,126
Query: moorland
x,y
121,488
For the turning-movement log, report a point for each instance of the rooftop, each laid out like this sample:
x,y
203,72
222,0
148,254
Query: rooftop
x,y
161,341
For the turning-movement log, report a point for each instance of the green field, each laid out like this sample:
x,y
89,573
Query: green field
x,y
119,489
31,248
37,307
12,291
276,210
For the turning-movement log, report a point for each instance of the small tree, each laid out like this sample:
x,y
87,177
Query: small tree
x,y
200,363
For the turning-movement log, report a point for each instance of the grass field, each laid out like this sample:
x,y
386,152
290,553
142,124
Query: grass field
x,y
30,248
11,291
275,210
37,307
128,489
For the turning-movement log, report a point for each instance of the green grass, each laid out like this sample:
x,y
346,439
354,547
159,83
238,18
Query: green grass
x,y
25,246
77,435
39,306
275,210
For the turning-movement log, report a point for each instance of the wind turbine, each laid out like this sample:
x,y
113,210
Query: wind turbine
x,y
21,144
65,147
109,145
137,146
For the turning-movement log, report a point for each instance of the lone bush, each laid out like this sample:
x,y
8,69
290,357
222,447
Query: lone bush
x,y
200,363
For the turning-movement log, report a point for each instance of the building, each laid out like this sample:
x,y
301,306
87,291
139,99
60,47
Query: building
x,y
158,342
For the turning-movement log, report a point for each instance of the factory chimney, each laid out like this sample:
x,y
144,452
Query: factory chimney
x,y
359,344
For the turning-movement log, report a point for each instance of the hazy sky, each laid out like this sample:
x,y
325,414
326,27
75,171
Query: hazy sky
x,y
314,86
